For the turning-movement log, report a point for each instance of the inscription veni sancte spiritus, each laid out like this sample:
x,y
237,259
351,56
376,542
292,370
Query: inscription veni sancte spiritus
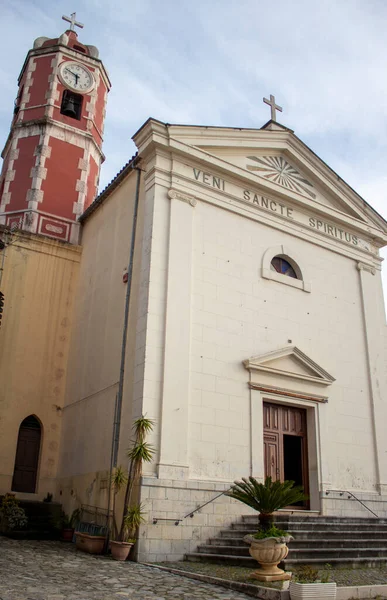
x,y
279,208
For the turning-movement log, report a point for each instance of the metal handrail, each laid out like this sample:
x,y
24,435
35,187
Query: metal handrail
x,y
350,495
192,512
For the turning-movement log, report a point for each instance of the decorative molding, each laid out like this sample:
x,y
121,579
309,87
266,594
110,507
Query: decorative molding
x,y
34,195
260,363
361,266
176,195
9,175
38,172
283,392
278,170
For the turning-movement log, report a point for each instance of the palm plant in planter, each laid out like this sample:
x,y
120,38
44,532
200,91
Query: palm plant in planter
x,y
67,524
132,516
268,545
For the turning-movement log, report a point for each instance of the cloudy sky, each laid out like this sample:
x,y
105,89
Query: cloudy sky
x,y
210,62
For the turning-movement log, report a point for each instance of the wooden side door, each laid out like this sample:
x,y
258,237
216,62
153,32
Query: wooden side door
x,y
27,458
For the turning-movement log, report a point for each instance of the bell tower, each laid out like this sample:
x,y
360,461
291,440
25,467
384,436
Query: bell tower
x,y
53,153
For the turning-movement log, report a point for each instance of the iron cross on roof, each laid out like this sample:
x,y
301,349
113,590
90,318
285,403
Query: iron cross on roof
x,y
273,106
73,22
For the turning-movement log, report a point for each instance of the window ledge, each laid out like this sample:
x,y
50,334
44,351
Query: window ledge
x,y
284,279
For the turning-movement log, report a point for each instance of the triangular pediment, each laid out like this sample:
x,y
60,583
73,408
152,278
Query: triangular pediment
x,y
271,162
290,362
281,173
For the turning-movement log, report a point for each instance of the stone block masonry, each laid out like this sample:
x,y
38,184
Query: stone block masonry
x,y
167,502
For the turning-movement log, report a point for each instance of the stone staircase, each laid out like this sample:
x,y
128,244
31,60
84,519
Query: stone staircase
x,y
317,540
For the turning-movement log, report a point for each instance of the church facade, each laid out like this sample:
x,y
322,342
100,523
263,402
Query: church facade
x,y
256,329
255,339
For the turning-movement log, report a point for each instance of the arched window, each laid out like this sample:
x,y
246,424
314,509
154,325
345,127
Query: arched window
x,y
27,456
280,264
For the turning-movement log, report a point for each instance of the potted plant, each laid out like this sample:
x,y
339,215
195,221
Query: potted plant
x,y
92,544
133,519
67,525
308,583
268,545
132,515
12,516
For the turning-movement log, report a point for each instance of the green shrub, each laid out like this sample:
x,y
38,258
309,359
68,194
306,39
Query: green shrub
x,y
12,516
272,532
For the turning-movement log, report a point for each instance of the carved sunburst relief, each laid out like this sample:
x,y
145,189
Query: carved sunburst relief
x,y
276,169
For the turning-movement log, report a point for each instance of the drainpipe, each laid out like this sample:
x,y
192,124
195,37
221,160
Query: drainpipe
x,y
118,402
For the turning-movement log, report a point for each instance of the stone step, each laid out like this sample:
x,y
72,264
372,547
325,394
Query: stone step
x,y
300,516
253,519
237,561
295,526
318,540
302,534
228,550
248,561
308,543
325,553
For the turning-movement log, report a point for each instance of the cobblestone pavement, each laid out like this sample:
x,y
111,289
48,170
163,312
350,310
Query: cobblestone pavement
x,y
32,570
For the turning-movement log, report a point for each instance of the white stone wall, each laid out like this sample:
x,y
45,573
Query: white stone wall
x,y
168,501
238,314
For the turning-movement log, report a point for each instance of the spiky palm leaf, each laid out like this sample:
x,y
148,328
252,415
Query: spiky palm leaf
x,y
140,452
133,518
266,497
119,479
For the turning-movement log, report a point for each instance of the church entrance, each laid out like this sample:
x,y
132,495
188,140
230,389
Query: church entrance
x,y
27,456
285,445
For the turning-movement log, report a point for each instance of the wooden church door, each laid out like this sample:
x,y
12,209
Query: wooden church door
x,y
285,444
27,456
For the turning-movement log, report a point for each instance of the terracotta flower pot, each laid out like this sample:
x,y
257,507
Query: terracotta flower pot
x,y
269,552
93,544
67,535
120,550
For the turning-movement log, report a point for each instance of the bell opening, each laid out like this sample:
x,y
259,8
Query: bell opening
x,y
71,105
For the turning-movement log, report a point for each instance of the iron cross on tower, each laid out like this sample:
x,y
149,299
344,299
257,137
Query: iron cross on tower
x,y
73,22
273,106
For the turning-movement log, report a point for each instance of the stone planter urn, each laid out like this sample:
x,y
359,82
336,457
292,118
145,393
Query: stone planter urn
x,y
93,544
120,550
307,591
269,552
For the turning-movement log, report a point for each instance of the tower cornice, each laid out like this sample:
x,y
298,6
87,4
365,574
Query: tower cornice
x,y
70,52
47,121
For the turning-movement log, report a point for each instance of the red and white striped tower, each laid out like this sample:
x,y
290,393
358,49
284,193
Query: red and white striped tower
x,y
53,154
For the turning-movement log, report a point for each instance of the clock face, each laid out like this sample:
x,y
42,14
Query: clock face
x,y
76,77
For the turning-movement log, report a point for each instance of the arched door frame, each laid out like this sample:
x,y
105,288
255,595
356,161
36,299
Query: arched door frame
x,y
27,455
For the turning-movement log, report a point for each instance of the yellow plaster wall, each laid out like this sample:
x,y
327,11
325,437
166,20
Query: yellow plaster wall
x,y
39,282
95,354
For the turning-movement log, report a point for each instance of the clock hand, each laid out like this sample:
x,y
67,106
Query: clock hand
x,y
71,73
